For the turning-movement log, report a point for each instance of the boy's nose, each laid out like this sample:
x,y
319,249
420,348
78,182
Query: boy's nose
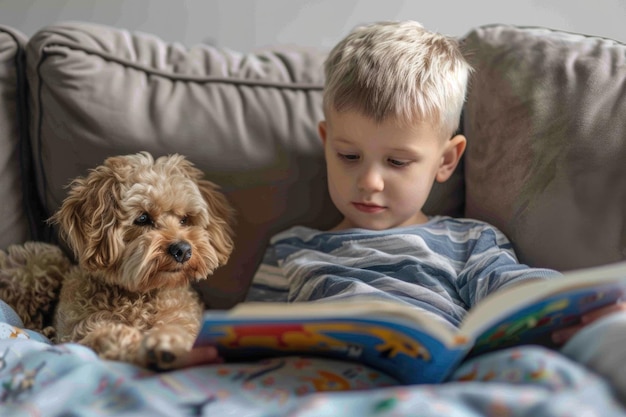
x,y
370,180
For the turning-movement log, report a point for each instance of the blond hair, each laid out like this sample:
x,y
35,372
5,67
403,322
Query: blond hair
x,y
398,70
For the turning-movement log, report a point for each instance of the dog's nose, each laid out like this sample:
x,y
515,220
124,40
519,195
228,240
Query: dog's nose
x,y
181,251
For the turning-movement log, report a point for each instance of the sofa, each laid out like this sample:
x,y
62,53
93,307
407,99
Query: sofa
x,y
545,120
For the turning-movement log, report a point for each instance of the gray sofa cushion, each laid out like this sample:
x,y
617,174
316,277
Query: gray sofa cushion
x,y
546,127
543,119
249,121
14,224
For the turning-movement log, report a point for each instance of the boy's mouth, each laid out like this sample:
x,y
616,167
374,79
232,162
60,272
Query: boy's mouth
x,y
368,208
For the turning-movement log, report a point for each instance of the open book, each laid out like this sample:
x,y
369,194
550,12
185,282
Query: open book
x,y
407,343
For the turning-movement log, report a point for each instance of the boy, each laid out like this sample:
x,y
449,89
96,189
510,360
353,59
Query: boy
x,y
392,101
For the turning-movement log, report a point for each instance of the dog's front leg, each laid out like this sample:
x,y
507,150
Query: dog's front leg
x,y
164,347
115,341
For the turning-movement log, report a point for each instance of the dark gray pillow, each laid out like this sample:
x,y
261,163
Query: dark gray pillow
x,y
546,126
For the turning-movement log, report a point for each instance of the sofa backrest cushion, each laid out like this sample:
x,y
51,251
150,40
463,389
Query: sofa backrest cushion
x,y
14,223
249,121
546,159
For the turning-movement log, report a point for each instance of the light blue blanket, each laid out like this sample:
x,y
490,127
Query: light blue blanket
x,y
38,379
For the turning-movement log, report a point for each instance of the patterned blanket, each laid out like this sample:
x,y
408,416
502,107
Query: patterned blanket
x,y
40,379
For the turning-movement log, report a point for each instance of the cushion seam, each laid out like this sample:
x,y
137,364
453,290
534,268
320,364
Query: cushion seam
x,y
48,49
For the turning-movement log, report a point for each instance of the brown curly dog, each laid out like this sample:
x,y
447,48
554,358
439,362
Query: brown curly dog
x,y
142,230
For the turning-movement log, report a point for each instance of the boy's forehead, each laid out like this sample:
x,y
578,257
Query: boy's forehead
x,y
348,116
353,128
353,121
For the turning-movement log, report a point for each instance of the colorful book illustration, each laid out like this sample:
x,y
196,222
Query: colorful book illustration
x,y
412,345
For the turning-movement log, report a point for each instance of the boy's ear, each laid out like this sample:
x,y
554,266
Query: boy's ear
x,y
451,157
321,129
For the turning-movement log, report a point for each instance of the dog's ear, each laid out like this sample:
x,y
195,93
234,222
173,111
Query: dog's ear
x,y
222,217
87,217
221,213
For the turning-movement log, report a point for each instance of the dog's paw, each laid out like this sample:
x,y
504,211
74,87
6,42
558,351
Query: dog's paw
x,y
164,349
50,332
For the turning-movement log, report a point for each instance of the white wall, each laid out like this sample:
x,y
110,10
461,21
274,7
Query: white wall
x,y
247,25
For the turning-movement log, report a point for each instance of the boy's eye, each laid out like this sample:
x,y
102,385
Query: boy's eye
x,y
397,162
143,220
348,156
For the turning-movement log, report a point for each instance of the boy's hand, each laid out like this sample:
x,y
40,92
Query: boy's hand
x,y
561,336
202,356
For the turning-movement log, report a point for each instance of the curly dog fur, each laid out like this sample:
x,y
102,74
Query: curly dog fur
x,y
30,281
142,230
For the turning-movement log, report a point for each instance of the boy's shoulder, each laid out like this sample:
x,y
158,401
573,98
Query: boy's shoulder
x,y
465,229
459,223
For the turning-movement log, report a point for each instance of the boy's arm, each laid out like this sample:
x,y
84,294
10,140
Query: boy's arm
x,y
492,265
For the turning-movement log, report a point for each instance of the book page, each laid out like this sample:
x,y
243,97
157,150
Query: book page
x,y
507,302
536,323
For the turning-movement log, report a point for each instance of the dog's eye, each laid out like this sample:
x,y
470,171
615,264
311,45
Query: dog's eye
x,y
184,220
143,220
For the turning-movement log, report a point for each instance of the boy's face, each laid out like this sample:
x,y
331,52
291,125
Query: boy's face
x,y
380,174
